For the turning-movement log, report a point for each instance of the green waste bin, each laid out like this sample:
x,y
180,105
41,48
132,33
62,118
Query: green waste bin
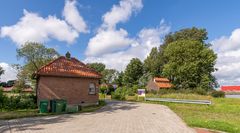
x,y
58,105
43,106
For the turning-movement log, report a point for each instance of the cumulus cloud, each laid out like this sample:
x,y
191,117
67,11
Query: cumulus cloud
x,y
73,17
33,27
114,47
228,62
121,12
109,39
9,74
140,47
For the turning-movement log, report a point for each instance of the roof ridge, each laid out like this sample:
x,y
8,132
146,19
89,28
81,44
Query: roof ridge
x,y
49,63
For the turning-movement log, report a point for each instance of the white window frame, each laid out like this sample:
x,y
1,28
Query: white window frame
x,y
92,89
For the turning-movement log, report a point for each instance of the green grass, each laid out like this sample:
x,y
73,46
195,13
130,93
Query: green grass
x,y
5,115
222,115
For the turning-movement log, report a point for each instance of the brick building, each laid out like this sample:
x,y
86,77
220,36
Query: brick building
x,y
68,78
158,83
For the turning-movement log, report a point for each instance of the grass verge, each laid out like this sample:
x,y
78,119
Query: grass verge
x,y
6,115
222,115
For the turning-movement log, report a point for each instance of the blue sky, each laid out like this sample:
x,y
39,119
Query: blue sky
x,y
136,22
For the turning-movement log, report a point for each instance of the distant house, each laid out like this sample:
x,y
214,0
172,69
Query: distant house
x,y
25,90
157,83
230,88
68,78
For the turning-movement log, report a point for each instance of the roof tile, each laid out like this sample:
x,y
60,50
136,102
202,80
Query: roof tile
x,y
72,67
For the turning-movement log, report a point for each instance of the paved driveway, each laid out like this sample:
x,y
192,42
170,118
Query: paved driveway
x,y
116,117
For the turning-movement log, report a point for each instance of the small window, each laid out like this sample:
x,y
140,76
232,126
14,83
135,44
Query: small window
x,y
92,88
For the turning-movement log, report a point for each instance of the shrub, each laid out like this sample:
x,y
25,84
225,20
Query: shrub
x,y
120,93
218,94
21,101
16,90
200,91
103,89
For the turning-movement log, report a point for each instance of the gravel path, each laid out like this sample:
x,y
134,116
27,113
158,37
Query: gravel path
x,y
116,117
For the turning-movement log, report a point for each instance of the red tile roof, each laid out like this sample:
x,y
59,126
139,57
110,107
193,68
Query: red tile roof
x,y
72,67
162,82
161,79
164,85
230,88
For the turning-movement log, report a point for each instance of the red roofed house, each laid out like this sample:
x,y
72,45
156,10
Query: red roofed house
x,y
158,83
230,88
68,78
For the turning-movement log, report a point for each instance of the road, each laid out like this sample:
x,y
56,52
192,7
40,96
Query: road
x,y
116,117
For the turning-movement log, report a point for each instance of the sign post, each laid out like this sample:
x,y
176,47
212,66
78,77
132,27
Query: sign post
x,y
141,93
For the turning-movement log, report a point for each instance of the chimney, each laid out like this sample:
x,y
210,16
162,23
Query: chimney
x,y
68,55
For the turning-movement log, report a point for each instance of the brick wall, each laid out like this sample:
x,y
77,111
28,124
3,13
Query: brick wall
x,y
74,90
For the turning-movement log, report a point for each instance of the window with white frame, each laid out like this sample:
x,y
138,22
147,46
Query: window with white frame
x,y
92,88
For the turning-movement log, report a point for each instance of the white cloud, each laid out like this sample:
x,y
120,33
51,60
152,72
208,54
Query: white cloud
x,y
73,17
228,50
114,47
33,27
9,74
121,12
108,41
140,47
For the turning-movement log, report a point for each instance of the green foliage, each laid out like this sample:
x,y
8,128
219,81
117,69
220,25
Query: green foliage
x,y
119,79
133,72
153,63
109,75
15,102
2,98
120,93
99,67
103,89
35,56
218,94
145,79
195,34
16,90
190,64
106,89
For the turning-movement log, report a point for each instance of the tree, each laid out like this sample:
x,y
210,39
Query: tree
x,y
194,34
133,72
152,64
35,56
190,64
109,75
119,79
99,67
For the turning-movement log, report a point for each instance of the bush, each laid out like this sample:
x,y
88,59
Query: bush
x,y
120,93
201,91
21,101
218,94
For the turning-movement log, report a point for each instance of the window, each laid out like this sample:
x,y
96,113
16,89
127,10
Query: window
x,y
92,88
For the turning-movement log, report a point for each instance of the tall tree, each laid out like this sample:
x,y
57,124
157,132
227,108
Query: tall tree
x,y
190,64
109,75
152,64
133,72
99,67
194,34
35,56
119,79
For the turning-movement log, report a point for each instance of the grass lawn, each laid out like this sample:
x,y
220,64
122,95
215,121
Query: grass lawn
x,y
223,114
34,112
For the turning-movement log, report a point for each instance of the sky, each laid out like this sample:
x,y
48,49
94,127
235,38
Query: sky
x,y
114,31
